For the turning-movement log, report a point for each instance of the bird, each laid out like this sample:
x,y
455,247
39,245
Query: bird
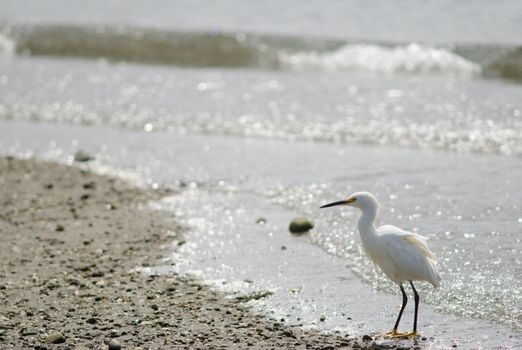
x,y
403,256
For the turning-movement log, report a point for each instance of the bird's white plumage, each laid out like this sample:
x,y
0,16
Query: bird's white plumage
x,y
401,255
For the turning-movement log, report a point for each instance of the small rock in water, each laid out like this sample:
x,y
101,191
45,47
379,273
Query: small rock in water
x,y
300,225
55,338
113,345
82,156
253,296
261,220
366,337
59,228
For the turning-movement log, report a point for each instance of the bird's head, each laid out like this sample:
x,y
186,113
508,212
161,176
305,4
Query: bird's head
x,y
362,200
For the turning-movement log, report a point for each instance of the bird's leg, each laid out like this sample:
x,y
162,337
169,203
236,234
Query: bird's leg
x,y
404,302
414,334
394,333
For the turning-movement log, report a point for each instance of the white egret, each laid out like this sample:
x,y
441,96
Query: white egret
x,y
401,255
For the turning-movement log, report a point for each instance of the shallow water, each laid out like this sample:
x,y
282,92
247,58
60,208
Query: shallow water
x,y
251,118
227,184
465,115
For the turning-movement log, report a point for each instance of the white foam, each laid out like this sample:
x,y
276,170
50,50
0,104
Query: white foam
x,y
7,45
412,59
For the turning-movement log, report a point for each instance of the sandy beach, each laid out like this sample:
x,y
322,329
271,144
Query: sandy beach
x,y
70,240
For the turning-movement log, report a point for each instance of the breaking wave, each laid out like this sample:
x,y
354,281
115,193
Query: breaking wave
x,y
411,59
244,50
7,46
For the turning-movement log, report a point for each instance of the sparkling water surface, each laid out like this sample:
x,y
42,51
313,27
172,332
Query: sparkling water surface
x,y
430,112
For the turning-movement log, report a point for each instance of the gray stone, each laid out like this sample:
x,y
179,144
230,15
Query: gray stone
x,y
300,225
253,296
113,345
82,156
55,338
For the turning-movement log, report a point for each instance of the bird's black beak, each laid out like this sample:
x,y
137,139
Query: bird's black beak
x,y
334,204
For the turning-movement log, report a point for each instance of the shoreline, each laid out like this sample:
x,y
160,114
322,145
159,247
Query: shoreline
x,y
70,241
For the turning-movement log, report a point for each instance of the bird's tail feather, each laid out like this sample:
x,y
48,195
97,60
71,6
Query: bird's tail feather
x,y
434,273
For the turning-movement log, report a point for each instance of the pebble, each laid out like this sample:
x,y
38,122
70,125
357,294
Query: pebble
x,y
55,338
82,156
113,345
89,185
300,225
254,296
288,333
366,337
97,274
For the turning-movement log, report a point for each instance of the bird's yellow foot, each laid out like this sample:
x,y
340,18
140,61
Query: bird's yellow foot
x,y
392,334
398,335
395,334
412,335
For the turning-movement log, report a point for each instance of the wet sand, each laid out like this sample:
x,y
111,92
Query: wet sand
x,y
69,243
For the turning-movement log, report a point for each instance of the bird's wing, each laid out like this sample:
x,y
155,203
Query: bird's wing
x,y
410,255
415,239
419,242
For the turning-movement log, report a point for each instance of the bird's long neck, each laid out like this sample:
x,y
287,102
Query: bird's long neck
x,y
366,224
